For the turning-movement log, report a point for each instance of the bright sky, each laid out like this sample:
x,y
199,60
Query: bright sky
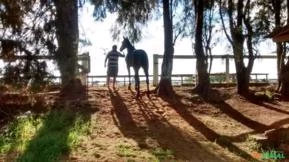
x,y
99,35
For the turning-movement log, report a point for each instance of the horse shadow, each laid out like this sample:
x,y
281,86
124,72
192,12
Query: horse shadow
x,y
149,124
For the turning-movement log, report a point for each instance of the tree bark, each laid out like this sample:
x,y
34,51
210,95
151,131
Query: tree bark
x,y
285,80
237,42
203,83
165,88
67,37
284,68
279,48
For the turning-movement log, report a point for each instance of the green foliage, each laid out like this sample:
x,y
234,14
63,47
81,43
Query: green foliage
x,y
20,74
18,133
21,43
12,11
126,151
266,95
218,78
32,38
253,144
134,15
163,154
44,138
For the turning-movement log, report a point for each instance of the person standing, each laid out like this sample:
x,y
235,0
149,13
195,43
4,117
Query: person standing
x,y
112,69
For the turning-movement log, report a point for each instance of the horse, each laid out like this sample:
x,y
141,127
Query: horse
x,y
136,58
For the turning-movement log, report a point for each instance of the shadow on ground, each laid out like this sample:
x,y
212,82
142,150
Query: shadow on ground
x,y
59,129
145,121
210,134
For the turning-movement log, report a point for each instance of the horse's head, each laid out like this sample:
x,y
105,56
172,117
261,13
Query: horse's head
x,y
125,43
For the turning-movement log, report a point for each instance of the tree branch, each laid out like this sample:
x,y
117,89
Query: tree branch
x,y
223,24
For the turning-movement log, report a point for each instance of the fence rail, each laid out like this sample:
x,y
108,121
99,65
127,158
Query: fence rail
x,y
177,79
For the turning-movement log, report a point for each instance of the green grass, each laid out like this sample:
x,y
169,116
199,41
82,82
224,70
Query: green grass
x,y
44,138
253,144
163,154
125,151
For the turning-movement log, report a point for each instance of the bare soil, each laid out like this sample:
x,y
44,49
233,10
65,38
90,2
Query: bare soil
x,y
186,128
190,128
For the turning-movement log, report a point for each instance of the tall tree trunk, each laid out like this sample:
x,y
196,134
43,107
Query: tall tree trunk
x,y
165,88
237,42
67,37
241,72
202,64
251,59
238,46
279,48
284,68
285,80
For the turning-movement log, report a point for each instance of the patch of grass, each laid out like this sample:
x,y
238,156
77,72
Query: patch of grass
x,y
163,154
265,95
130,160
253,144
18,133
44,138
125,151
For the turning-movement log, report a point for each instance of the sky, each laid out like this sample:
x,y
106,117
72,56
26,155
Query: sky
x,y
98,32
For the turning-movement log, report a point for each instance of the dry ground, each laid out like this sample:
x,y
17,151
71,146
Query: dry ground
x,y
186,129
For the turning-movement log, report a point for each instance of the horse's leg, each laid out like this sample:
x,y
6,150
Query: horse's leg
x,y
136,78
129,83
147,80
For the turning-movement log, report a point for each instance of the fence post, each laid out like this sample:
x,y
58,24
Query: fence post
x,y
156,70
227,69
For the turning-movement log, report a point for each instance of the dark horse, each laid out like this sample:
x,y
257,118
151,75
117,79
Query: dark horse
x,y
135,58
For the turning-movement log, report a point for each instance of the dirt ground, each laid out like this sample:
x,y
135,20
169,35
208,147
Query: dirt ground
x,y
184,129
125,129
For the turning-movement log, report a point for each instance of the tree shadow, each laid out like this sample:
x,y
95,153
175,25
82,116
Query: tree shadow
x,y
236,115
210,134
242,137
58,131
280,123
251,97
159,129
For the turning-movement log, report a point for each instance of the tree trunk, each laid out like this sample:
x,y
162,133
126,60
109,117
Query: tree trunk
x,y
165,88
237,42
243,78
67,37
285,80
284,68
202,64
241,72
279,48
247,70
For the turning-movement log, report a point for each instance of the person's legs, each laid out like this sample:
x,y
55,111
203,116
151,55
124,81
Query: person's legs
x,y
107,80
115,72
114,80
108,76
